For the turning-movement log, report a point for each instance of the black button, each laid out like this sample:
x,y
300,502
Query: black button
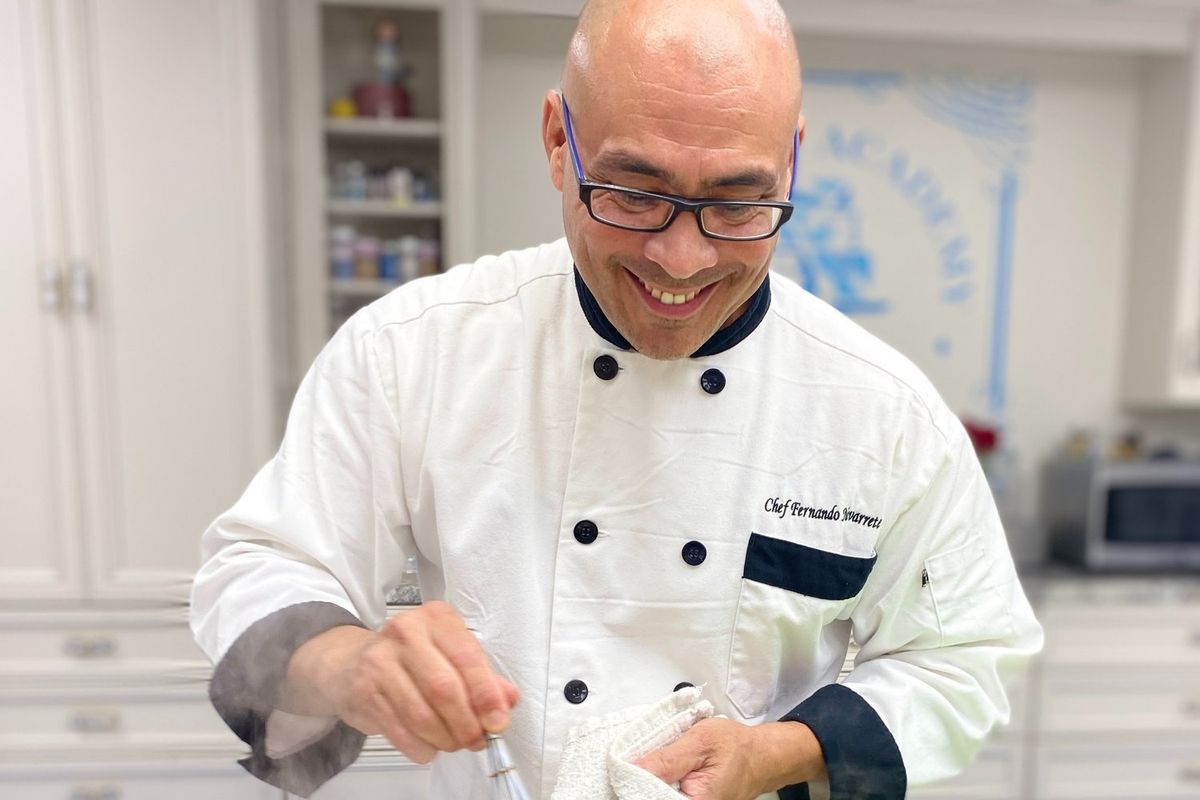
x,y
575,692
586,531
683,685
712,381
605,367
694,553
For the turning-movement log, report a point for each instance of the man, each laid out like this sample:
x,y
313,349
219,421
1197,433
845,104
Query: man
x,y
626,461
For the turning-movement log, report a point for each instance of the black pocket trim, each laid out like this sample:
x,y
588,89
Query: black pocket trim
x,y
805,570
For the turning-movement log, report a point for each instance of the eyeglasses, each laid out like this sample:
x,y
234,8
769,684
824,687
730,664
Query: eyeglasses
x,y
649,212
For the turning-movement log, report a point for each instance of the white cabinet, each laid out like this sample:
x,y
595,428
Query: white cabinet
x,y
112,705
1118,702
1162,357
135,320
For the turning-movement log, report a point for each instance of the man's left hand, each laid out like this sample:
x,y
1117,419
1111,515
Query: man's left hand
x,y
719,759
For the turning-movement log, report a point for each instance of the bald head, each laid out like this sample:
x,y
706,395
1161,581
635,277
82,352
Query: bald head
x,y
712,46
696,99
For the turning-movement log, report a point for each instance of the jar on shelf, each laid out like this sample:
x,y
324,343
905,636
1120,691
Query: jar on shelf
x,y
389,260
341,251
400,185
410,257
366,258
428,252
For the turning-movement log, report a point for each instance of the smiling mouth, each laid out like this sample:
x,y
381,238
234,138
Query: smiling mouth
x,y
675,302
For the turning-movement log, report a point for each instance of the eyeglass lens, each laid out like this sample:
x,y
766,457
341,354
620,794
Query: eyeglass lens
x,y
643,212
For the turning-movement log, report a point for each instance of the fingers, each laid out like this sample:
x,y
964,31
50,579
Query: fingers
x,y
402,739
486,695
671,763
416,708
429,693
441,687
511,692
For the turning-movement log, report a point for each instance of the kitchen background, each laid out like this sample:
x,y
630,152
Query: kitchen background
x,y
196,192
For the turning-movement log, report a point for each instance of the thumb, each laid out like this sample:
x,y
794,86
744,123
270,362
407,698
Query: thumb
x,y
671,763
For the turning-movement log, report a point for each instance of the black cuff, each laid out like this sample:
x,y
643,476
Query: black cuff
x,y
245,691
861,755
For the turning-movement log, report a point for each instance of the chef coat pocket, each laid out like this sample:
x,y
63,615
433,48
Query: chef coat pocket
x,y
968,605
789,596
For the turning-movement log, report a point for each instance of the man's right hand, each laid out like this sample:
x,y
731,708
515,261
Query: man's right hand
x,y
422,681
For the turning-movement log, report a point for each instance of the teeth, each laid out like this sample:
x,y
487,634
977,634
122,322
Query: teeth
x,y
668,299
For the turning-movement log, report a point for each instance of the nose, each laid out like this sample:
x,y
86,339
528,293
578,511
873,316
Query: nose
x,y
681,250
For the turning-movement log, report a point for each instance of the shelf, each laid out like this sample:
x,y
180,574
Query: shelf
x,y
357,287
370,128
384,208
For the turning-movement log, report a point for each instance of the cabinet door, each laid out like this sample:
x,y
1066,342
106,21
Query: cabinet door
x,y
38,534
167,236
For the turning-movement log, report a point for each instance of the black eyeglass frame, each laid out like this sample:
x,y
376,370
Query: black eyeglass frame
x,y
677,203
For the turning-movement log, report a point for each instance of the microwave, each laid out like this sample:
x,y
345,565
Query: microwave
x,y
1137,515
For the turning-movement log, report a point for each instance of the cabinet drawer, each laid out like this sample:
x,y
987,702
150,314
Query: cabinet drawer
x,y
149,724
994,775
80,644
228,782
1121,701
1155,636
1151,772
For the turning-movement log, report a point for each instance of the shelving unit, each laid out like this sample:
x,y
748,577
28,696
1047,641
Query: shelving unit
x,y
330,47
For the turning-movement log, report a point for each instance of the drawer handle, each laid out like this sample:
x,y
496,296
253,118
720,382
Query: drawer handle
x,y
1191,708
95,721
1190,774
96,793
90,647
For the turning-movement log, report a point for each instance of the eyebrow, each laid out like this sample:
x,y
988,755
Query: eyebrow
x,y
624,161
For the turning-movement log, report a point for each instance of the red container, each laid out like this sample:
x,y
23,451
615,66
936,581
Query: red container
x,y
381,100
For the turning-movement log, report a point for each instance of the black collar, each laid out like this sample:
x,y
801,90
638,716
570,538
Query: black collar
x,y
720,341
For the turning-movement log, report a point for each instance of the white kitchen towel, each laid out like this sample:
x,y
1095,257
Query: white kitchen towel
x,y
596,760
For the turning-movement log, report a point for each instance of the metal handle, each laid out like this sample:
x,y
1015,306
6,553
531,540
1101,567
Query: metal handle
x,y
1194,639
1190,773
90,647
80,278
110,792
50,286
1191,708
95,721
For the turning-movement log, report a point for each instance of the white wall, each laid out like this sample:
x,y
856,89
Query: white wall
x,y
1072,232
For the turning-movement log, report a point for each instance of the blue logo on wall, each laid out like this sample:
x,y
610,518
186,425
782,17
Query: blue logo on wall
x,y
825,237
881,162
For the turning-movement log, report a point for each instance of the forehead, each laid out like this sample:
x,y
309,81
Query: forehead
x,y
688,140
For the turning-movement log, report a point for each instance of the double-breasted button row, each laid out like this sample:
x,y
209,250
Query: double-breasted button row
x,y
693,552
606,368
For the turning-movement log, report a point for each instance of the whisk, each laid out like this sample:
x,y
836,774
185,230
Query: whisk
x,y
506,781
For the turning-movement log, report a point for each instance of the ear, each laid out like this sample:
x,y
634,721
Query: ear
x,y
554,137
800,127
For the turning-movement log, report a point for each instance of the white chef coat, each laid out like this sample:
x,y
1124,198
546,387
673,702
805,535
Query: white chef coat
x,y
613,525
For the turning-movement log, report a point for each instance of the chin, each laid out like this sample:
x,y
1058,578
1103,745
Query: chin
x,y
666,349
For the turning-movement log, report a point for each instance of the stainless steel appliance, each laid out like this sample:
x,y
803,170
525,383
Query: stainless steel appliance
x,y
1139,515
